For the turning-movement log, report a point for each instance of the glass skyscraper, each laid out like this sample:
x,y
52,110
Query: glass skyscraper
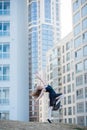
x,y
43,32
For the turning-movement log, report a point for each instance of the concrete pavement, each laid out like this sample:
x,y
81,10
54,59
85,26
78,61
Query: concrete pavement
x,y
16,125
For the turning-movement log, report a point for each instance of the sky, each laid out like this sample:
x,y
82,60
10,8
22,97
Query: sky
x,y
66,17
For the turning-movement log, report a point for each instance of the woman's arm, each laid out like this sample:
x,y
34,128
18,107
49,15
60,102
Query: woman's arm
x,y
44,83
41,94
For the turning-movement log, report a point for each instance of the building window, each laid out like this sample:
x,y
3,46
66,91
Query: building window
x,y
47,5
74,110
86,120
69,89
67,46
76,5
84,10
51,75
50,58
4,7
64,100
4,50
4,96
68,78
80,120
68,56
63,59
72,75
4,115
65,120
83,1
76,17
86,92
79,80
59,81
86,107
70,120
55,72
65,112
85,78
64,69
4,28
74,121
64,89
63,49
4,72
79,94
55,63
72,65
51,66
58,62
85,50
79,67
55,82
69,110
58,52
69,99
38,9
72,54
57,12
80,107
77,29
73,87
73,98
64,80
84,37
84,25
85,64
77,42
54,53
32,10
78,54
68,67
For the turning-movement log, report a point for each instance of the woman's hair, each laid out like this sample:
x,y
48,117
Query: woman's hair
x,y
36,93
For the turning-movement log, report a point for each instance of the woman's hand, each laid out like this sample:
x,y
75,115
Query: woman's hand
x,y
36,100
38,76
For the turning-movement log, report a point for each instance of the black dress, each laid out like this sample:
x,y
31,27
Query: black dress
x,y
52,94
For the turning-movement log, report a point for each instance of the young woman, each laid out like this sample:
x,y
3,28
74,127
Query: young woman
x,y
54,97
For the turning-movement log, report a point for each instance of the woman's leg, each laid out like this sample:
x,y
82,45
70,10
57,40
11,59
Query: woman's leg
x,y
49,114
59,96
57,101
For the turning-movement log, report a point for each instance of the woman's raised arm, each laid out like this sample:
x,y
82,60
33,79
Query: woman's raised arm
x,y
39,77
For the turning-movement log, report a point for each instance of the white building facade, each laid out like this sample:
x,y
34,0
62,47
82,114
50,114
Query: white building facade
x,y
73,67
54,76
80,52
14,81
60,74
67,56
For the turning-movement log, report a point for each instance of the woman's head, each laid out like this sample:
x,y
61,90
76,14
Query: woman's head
x,y
37,92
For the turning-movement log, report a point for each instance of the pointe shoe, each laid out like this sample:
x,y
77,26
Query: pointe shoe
x,y
49,120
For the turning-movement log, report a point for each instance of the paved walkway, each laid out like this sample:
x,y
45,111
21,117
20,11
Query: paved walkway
x,y
16,125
